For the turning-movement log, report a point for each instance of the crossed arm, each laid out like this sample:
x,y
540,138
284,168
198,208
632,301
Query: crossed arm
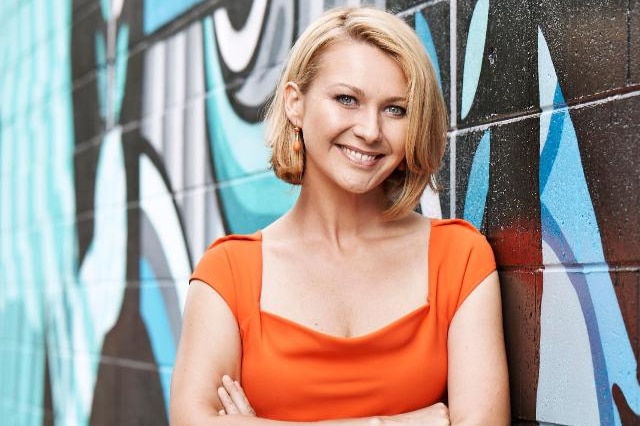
x,y
210,349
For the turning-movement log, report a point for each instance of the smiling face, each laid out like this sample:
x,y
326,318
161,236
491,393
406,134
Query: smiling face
x,y
353,117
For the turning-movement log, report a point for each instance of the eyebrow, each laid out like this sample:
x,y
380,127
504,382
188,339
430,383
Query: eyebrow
x,y
360,93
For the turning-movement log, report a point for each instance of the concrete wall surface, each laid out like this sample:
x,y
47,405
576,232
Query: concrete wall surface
x,y
130,138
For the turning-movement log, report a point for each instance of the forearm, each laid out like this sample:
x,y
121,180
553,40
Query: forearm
x,y
241,420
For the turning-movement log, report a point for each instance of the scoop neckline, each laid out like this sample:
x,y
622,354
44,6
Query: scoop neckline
x,y
359,338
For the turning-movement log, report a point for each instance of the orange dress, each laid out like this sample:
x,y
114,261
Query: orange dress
x,y
291,372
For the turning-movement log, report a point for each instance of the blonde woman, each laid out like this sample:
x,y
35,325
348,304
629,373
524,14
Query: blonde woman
x,y
351,309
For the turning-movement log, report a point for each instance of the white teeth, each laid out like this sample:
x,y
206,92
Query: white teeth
x,y
358,156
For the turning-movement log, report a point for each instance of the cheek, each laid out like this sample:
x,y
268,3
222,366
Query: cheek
x,y
326,117
396,133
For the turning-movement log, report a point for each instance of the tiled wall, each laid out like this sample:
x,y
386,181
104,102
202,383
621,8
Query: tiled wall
x,y
130,138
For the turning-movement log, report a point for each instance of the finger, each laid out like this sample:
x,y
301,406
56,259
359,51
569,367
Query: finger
x,y
222,412
227,402
251,411
237,396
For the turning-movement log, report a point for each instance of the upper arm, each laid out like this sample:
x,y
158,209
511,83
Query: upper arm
x,y
477,378
209,348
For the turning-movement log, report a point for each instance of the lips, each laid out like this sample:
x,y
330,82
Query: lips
x,y
358,157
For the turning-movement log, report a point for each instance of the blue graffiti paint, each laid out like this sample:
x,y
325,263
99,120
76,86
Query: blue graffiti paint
x,y
478,186
42,304
474,54
111,91
251,197
570,228
424,33
121,60
236,145
159,12
101,72
155,317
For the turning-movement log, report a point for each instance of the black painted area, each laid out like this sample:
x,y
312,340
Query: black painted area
x,y
466,146
627,291
588,44
130,395
521,301
608,140
87,121
126,395
513,203
87,24
48,418
132,15
444,182
397,6
508,83
131,110
437,16
634,43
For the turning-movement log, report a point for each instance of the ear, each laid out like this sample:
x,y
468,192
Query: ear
x,y
293,103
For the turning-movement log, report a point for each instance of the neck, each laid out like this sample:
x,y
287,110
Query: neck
x,y
338,216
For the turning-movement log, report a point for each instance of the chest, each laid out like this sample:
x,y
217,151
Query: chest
x,y
347,295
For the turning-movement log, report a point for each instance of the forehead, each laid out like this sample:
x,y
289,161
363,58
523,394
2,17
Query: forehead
x,y
361,64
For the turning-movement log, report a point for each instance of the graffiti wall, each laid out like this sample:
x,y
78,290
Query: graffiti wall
x,y
131,137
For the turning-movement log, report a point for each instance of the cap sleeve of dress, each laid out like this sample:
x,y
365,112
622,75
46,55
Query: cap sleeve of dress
x,y
480,262
214,269
461,258
232,267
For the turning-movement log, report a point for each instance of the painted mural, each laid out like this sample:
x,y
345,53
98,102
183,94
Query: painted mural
x,y
131,138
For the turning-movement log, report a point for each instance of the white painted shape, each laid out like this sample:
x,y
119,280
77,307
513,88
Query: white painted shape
x,y
106,259
173,147
566,384
548,80
315,9
196,149
116,8
237,47
175,74
430,204
262,81
545,124
84,373
163,217
153,102
548,84
195,62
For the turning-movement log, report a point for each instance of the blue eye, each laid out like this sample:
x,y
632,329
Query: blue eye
x,y
396,110
346,100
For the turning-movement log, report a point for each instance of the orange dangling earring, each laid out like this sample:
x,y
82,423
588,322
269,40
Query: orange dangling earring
x,y
297,145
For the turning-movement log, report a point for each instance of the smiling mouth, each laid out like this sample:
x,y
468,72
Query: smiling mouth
x,y
358,157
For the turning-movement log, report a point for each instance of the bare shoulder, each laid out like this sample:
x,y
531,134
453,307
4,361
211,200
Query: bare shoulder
x,y
412,226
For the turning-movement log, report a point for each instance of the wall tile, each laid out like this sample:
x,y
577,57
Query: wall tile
x,y
521,296
507,62
608,140
588,44
634,42
513,204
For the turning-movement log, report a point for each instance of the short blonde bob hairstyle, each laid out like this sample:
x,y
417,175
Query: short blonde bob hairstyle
x,y
426,112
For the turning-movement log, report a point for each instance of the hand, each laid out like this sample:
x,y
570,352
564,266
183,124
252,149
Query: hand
x,y
233,399
434,415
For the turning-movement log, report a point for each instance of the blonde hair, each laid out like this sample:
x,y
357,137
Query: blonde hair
x,y
426,113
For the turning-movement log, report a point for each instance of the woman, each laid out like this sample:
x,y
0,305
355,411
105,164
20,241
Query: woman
x,y
351,309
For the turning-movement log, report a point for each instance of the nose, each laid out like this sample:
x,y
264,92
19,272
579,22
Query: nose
x,y
367,126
